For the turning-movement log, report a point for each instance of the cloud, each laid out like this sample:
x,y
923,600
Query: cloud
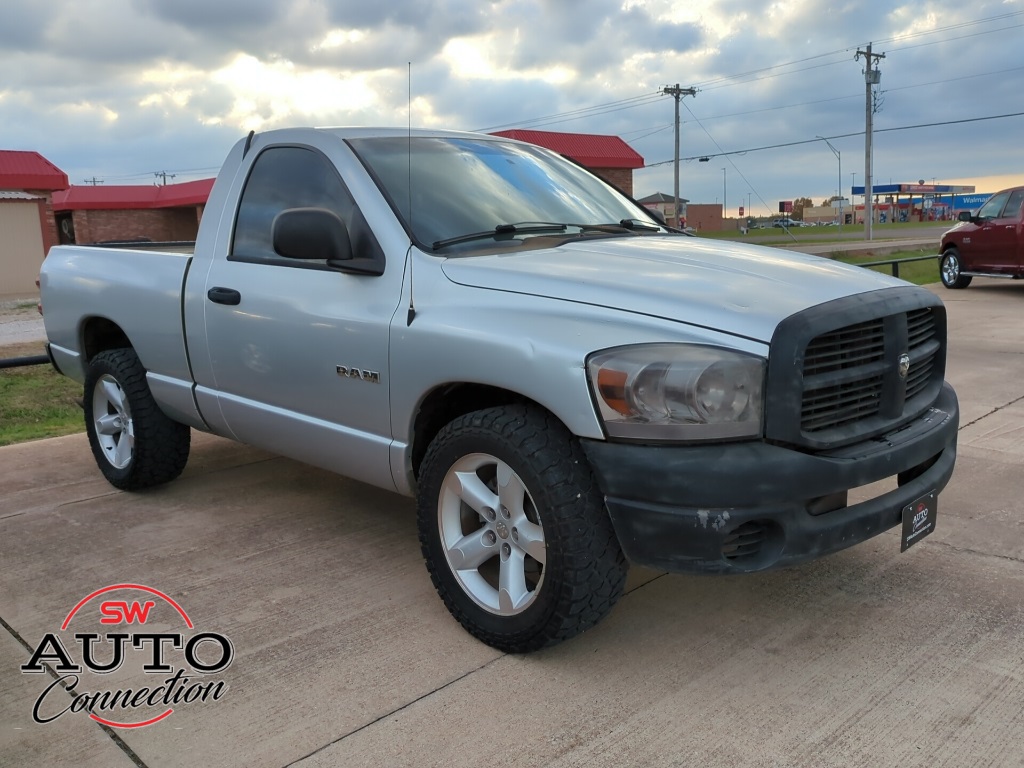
x,y
120,88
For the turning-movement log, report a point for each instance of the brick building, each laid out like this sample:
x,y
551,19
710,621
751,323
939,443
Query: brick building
x,y
706,217
703,217
27,227
665,205
606,156
97,214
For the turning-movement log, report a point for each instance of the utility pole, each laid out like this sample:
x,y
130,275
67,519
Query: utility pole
x,y
164,176
94,181
677,93
871,77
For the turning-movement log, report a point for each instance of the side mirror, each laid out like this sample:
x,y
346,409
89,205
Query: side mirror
x,y
311,233
655,214
963,216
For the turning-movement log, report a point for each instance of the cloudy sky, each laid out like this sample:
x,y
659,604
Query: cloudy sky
x,y
118,90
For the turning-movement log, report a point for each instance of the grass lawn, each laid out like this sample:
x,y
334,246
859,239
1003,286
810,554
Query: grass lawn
x,y
917,272
36,401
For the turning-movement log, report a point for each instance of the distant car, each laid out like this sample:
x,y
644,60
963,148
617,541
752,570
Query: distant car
x,y
987,243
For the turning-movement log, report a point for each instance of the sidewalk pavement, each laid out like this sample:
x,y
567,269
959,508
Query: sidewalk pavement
x,y
345,656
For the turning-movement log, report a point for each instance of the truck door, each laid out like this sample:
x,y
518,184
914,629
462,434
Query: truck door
x,y
1012,219
993,244
299,350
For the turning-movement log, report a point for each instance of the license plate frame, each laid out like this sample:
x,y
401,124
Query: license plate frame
x,y
919,518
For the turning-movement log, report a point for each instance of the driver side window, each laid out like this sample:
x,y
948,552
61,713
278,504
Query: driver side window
x,y
994,206
1012,209
294,177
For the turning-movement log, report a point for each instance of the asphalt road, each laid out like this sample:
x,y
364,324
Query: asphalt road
x,y
343,654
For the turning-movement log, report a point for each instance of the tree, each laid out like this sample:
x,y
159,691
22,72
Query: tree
x,y
798,207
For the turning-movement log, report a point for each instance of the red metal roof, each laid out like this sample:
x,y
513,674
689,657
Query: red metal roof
x,y
29,170
94,198
591,150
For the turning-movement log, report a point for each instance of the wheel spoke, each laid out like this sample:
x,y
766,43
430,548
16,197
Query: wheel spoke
x,y
512,591
471,551
511,492
123,451
109,424
114,394
531,540
472,490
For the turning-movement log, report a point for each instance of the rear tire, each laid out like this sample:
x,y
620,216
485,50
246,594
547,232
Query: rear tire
x,y
514,529
135,444
949,270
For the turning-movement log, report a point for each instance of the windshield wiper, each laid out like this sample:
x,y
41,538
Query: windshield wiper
x,y
623,226
640,224
525,228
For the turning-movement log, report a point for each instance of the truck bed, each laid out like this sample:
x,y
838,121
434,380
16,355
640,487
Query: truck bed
x,y
136,289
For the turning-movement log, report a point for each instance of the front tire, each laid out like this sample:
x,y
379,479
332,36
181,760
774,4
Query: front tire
x,y
949,270
514,530
134,443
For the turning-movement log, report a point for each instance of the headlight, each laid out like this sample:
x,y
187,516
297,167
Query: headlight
x,y
678,392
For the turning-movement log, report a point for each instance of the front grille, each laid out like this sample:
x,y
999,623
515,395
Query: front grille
x,y
845,370
842,376
923,347
834,406
830,386
847,347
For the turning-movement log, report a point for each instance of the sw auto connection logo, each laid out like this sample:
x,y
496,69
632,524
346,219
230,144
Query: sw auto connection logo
x,y
182,667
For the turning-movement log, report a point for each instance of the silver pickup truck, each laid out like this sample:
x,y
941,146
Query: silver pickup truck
x,y
564,384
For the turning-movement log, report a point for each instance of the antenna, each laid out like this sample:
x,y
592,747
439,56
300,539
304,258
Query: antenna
x,y
412,307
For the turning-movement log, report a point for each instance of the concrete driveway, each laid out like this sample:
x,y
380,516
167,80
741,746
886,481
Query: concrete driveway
x,y
343,654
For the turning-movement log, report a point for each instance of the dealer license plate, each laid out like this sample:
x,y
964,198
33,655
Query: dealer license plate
x,y
919,520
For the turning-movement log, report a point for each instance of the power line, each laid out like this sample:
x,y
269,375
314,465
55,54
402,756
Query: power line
x,y
748,76
724,80
573,114
734,167
723,153
952,39
945,81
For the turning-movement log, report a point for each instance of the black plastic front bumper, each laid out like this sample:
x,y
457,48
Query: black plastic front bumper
x,y
741,507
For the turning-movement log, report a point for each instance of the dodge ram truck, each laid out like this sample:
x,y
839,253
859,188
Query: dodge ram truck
x,y
564,384
987,243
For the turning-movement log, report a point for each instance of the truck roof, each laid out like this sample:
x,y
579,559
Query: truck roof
x,y
353,132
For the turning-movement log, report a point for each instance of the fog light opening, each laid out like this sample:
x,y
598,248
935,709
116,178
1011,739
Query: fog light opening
x,y
753,545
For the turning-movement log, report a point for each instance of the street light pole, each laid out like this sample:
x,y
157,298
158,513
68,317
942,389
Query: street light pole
x,y
725,207
839,157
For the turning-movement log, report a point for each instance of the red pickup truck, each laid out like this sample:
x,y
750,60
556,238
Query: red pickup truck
x,y
989,243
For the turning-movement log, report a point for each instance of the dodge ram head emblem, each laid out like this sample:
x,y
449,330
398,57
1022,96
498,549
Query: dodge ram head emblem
x,y
904,365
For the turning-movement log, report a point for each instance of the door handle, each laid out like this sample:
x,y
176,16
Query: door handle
x,y
227,296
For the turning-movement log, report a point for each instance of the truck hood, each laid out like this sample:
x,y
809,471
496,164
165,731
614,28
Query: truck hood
x,y
744,290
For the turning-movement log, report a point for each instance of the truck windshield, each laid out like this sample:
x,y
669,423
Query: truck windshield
x,y
475,192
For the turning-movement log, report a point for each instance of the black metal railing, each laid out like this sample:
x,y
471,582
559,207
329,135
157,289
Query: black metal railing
x,y
895,263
